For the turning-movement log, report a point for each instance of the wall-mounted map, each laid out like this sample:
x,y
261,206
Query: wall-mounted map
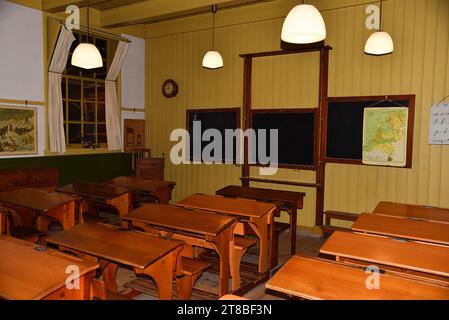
x,y
385,136
18,130
439,124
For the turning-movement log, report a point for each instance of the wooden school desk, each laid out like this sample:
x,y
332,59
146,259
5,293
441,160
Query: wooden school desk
x,y
29,274
157,188
29,201
426,259
118,197
286,200
316,279
152,256
202,229
409,211
402,228
259,215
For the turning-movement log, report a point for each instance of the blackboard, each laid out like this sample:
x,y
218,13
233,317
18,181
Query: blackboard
x,y
219,119
344,125
296,134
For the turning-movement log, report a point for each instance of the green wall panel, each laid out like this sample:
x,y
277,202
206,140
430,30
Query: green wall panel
x,y
94,168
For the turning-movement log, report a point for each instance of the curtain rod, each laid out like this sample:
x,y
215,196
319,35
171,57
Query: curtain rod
x,y
95,31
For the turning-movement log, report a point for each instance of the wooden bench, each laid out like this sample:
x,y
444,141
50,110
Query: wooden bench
x,y
28,178
241,245
192,270
328,228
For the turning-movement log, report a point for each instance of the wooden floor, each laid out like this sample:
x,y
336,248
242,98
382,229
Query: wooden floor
x,y
207,286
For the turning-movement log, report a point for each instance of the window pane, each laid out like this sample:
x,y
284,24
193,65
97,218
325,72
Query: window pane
x,y
102,139
72,70
74,111
89,111
89,133
100,92
88,73
75,43
74,89
101,73
63,89
64,111
74,133
101,116
89,90
102,46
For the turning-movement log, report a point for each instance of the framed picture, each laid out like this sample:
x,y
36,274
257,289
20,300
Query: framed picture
x,y
18,130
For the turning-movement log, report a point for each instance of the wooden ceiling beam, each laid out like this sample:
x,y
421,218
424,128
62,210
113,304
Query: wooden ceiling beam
x,y
155,10
54,6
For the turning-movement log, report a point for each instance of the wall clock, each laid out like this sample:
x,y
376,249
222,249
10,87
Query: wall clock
x,y
170,88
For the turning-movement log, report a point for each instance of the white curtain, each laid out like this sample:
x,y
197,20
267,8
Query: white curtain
x,y
55,111
112,118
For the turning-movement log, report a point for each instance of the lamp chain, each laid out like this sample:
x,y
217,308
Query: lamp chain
x,y
380,17
214,10
87,8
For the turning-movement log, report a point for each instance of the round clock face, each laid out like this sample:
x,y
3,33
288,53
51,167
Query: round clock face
x,y
170,88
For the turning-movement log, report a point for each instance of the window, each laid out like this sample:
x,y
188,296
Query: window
x,y
83,97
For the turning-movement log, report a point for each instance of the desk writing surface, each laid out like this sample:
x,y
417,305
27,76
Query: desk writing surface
x,y
411,255
326,280
36,199
27,274
412,211
135,183
280,196
172,217
238,207
402,228
113,244
93,190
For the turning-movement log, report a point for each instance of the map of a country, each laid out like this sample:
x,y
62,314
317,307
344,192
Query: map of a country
x,y
385,135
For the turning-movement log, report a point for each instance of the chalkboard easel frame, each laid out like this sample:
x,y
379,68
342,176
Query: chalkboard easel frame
x,y
372,100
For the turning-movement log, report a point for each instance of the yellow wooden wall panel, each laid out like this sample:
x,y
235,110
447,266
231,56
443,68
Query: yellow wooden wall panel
x,y
419,65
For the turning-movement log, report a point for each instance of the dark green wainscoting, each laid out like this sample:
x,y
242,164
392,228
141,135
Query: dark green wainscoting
x,y
93,168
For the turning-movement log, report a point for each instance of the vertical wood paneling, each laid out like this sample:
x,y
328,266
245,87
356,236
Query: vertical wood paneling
x,y
419,65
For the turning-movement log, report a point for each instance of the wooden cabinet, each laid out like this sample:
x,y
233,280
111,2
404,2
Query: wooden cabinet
x,y
150,168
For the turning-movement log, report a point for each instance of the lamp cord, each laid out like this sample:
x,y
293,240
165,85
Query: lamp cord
x,y
381,12
214,10
87,8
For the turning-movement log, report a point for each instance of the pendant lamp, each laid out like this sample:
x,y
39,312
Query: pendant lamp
x,y
303,24
380,42
212,59
86,55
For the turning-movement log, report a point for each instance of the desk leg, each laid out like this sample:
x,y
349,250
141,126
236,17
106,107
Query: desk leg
x,y
109,271
293,212
162,273
2,222
163,195
222,243
121,203
263,227
65,215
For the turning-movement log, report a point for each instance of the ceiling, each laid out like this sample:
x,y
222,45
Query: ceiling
x,y
119,13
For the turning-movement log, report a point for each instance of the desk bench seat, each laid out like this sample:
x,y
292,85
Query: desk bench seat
x,y
328,228
192,270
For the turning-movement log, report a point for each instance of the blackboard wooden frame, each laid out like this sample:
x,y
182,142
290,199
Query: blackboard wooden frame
x,y
213,110
315,134
372,99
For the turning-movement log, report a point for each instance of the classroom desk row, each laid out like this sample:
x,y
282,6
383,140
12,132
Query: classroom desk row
x,y
409,245
62,205
204,221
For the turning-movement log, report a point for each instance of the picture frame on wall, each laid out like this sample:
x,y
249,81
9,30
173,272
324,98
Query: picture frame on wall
x,y
18,130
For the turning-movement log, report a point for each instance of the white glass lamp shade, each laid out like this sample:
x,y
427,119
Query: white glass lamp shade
x,y
303,24
212,60
87,56
379,43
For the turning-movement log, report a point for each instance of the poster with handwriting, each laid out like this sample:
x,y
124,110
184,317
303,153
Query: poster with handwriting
x,y
439,124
